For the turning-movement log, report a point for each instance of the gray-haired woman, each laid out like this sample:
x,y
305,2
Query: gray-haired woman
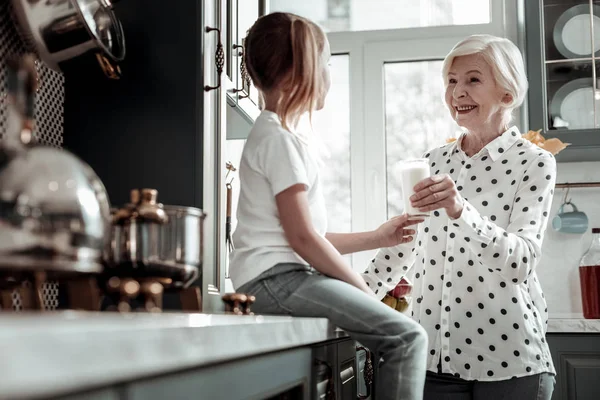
x,y
474,259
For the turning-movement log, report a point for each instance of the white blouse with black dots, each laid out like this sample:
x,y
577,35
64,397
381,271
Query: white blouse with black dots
x,y
476,292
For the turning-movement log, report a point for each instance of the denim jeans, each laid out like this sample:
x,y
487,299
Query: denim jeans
x,y
400,343
447,387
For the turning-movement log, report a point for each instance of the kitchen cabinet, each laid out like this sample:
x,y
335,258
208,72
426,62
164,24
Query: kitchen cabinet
x,y
241,94
323,371
564,90
335,373
158,126
577,361
269,376
102,394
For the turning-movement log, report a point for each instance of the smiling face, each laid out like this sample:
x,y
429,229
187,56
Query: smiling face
x,y
473,97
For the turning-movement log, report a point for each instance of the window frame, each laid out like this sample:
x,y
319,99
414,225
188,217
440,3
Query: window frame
x,y
368,52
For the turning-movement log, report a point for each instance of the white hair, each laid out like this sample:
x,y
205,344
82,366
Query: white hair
x,y
505,60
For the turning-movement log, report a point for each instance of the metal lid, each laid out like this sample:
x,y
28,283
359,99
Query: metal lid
x,y
180,210
104,27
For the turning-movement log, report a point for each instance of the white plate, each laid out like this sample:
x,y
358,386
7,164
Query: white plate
x,y
574,103
572,32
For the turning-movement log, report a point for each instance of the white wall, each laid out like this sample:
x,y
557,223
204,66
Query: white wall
x,y
558,270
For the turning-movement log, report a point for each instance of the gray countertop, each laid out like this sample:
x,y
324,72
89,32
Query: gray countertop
x,y
55,353
573,325
64,352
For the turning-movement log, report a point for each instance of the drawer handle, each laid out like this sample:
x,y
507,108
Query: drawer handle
x,y
368,372
243,74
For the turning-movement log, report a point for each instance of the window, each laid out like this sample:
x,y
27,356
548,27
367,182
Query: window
x,y
365,15
416,118
332,124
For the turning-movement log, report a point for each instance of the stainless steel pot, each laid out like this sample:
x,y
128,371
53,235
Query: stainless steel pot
x,y
59,30
54,210
149,240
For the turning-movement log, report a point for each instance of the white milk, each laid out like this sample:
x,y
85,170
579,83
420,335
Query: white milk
x,y
411,173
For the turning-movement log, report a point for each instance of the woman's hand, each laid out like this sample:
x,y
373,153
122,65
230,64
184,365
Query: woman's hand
x,y
435,192
393,232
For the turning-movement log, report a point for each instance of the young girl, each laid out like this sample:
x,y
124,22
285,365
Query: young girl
x,y
283,254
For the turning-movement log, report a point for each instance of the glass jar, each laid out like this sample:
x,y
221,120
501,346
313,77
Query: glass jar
x,y
589,276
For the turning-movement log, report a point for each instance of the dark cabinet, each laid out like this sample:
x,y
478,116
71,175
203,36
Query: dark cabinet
x,y
577,361
335,370
328,370
562,67
277,375
158,126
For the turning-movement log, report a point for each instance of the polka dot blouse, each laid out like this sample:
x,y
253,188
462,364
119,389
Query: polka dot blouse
x,y
475,287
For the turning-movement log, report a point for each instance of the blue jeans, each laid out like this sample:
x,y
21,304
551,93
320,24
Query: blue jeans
x,y
400,343
447,387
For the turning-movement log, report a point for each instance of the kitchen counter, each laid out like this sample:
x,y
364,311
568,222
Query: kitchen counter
x,y
573,325
64,352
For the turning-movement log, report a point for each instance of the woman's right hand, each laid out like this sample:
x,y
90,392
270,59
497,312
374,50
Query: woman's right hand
x,y
435,192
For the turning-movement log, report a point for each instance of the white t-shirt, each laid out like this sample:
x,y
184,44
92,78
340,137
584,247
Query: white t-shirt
x,y
273,160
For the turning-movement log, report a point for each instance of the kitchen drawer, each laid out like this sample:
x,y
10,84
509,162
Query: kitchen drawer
x,y
261,377
577,361
103,394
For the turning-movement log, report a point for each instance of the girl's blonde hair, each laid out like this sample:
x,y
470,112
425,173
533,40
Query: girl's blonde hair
x,y
283,52
505,60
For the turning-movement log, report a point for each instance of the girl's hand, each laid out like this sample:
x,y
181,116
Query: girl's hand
x,y
435,192
393,231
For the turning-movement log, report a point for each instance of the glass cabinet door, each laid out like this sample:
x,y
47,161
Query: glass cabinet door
x,y
571,45
563,52
243,95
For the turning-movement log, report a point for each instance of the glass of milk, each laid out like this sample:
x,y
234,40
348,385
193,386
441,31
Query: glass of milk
x,y
412,172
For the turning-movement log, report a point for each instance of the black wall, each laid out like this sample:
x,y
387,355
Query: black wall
x,y
144,130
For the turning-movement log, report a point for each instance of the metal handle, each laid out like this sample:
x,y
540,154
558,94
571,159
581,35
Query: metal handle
x,y
219,59
367,373
111,71
243,74
242,66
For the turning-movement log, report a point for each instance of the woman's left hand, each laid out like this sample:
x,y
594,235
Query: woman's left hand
x,y
435,192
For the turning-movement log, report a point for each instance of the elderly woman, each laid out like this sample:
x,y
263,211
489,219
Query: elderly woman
x,y
474,259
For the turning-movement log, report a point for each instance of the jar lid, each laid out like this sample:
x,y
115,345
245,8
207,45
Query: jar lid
x,y
595,230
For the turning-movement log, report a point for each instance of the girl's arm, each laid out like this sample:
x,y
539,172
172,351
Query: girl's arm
x,y
294,214
390,233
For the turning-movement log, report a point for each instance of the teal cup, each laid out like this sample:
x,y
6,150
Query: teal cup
x,y
574,221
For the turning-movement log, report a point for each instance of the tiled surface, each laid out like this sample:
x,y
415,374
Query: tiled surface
x,y
559,267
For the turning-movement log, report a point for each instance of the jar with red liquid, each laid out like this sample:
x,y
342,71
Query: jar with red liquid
x,y
589,276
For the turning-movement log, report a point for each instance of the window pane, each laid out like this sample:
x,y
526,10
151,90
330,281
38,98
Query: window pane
x,y
416,118
362,15
332,124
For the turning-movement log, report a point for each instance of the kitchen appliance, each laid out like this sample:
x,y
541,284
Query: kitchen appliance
x,y
54,213
60,30
151,240
589,277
